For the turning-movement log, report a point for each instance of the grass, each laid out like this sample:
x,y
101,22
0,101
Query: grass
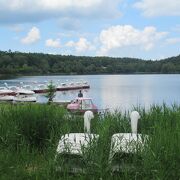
x,y
29,136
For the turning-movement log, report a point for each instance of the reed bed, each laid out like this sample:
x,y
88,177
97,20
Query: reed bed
x,y
29,136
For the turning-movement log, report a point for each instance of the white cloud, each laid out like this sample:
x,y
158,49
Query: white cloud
x,y
124,36
70,44
173,40
33,10
53,43
152,8
80,46
32,36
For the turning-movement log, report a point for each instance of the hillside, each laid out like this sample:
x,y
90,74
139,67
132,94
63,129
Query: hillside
x,y
38,63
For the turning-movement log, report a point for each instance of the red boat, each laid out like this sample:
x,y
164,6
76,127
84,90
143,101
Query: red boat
x,y
80,105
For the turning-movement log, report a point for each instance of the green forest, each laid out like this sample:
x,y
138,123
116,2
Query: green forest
x,y
18,63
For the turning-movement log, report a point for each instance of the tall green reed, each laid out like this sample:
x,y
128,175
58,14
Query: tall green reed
x,y
29,135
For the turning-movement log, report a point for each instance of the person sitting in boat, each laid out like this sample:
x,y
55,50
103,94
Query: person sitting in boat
x,y
80,94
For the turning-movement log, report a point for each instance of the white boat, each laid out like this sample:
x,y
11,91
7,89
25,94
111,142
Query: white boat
x,y
6,94
73,146
13,88
24,95
5,91
6,98
126,145
72,143
25,98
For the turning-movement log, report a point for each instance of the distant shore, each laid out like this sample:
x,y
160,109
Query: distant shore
x,y
18,63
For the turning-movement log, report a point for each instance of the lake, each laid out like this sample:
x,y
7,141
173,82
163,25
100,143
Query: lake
x,y
116,91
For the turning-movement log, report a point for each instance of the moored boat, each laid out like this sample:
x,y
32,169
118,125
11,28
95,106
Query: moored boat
x,y
74,148
80,105
6,98
25,96
4,91
125,146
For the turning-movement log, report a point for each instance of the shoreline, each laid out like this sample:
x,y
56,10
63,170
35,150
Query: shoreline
x,y
99,74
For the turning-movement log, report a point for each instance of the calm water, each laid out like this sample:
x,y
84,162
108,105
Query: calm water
x,y
116,91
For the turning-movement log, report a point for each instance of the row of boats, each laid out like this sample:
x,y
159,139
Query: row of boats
x,y
78,105
17,95
26,93
43,88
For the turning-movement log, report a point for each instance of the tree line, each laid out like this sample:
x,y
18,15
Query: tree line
x,y
12,63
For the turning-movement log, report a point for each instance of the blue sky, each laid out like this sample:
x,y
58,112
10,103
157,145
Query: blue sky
x,y
148,29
